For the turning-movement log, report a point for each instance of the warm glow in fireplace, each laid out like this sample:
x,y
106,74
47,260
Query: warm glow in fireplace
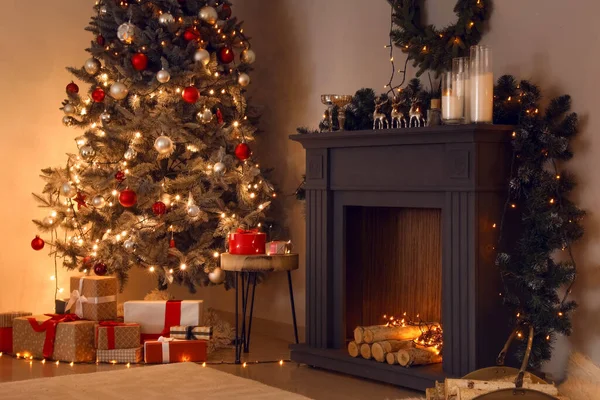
x,y
432,334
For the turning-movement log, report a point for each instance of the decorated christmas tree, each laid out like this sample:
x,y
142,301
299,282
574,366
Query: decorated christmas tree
x,y
163,169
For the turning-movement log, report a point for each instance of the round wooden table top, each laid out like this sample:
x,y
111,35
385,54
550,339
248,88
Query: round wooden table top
x,y
259,262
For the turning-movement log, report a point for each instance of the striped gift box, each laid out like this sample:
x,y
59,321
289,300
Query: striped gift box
x,y
181,332
201,333
121,356
6,318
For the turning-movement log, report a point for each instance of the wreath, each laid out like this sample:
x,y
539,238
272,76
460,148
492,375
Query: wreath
x,y
433,49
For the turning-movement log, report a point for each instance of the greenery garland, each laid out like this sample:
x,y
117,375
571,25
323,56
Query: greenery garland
x,y
431,48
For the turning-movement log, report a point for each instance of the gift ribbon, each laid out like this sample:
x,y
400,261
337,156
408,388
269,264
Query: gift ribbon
x,y
78,299
166,352
172,316
49,326
110,332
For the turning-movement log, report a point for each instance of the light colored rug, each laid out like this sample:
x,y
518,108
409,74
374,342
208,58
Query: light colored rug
x,y
172,381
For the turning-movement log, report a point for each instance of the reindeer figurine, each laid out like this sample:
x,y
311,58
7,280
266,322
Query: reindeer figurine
x,y
380,117
398,120
416,115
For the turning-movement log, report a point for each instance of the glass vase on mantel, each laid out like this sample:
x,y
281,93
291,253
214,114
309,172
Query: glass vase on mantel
x,y
481,85
454,94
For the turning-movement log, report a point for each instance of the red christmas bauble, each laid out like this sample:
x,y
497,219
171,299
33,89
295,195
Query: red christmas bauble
x,y
190,94
225,11
120,176
37,243
191,33
159,208
98,95
139,61
219,116
226,55
87,261
128,198
100,40
72,88
100,269
243,152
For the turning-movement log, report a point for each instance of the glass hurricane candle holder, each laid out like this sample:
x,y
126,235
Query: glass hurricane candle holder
x,y
460,69
481,85
453,99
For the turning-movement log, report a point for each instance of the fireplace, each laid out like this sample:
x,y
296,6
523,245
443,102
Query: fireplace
x,y
403,221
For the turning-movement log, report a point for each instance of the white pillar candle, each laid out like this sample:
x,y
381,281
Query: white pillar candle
x,y
467,101
482,97
452,107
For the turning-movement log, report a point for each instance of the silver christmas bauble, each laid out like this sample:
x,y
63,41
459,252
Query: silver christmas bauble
x,y
217,276
92,66
164,144
67,190
166,19
69,109
219,168
129,245
193,210
126,32
48,221
244,79
105,117
248,56
67,121
209,14
202,56
98,202
118,91
163,76
130,154
205,116
87,152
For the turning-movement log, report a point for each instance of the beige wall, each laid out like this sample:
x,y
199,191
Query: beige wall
x,y
305,48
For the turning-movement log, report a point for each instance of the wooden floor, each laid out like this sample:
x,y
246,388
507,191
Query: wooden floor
x,y
312,383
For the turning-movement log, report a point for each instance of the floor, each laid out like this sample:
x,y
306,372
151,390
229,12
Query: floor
x,y
312,383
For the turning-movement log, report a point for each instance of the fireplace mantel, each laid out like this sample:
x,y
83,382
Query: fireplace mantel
x,y
461,170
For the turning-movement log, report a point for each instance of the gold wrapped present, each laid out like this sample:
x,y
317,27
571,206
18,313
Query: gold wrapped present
x,y
56,337
201,333
6,318
94,297
121,356
117,335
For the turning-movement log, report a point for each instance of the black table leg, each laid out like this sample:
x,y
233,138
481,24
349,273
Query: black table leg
x,y
289,274
247,344
237,337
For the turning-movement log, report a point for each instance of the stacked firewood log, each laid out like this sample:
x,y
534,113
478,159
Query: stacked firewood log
x,y
392,344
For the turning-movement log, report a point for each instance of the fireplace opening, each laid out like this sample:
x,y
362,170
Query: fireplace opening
x,y
393,265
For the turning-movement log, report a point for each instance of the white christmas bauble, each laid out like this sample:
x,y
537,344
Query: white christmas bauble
x,y
164,145
244,79
205,116
248,56
92,66
98,202
118,91
202,56
87,152
217,276
130,154
193,210
129,245
67,190
219,168
48,221
166,19
126,32
67,121
163,76
209,14
105,117
69,109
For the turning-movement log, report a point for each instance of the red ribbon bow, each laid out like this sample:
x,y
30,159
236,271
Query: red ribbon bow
x,y
247,231
49,326
110,332
172,316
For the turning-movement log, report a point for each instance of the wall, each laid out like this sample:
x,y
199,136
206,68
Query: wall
x,y
305,49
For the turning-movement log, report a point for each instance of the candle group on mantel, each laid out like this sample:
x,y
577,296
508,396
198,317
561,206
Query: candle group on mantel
x,y
468,90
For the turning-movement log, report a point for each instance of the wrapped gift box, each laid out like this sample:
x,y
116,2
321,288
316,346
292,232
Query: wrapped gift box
x,y
6,329
245,242
116,335
165,351
278,247
121,356
157,317
94,297
65,341
191,332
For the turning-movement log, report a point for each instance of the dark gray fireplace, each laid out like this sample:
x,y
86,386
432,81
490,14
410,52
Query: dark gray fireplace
x,y
403,220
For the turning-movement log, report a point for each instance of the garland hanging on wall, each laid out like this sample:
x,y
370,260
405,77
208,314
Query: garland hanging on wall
x,y
431,48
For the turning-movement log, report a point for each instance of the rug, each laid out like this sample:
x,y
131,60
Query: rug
x,y
172,381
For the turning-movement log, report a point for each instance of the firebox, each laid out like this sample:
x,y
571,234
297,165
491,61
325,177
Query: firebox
x,y
403,221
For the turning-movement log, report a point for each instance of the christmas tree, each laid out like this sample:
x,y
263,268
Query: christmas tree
x,y
163,170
